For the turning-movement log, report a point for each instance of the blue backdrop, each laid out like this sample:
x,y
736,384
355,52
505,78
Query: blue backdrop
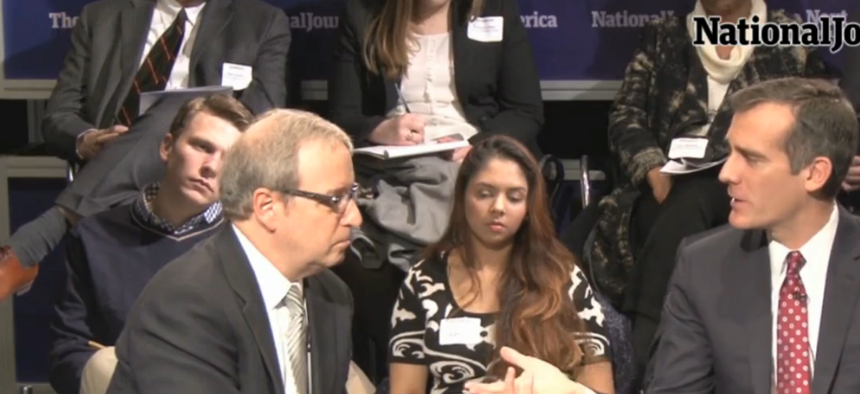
x,y
581,40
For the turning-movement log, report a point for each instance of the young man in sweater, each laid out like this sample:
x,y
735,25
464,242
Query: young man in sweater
x,y
112,255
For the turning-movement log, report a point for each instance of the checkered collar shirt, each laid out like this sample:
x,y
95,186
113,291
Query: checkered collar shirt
x,y
143,209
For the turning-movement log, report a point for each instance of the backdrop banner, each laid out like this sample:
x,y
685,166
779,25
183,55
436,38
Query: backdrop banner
x,y
582,40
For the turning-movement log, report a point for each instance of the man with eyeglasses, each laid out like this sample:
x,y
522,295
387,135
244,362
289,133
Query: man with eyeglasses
x,y
255,309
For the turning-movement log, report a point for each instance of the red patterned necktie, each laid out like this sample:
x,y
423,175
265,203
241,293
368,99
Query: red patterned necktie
x,y
792,352
155,71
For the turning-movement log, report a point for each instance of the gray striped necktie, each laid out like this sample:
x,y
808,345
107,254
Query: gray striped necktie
x,y
297,342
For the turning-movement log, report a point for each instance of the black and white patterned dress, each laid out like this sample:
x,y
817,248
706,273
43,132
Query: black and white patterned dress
x,y
425,300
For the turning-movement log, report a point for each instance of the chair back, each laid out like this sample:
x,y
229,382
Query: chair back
x,y
552,170
98,371
358,382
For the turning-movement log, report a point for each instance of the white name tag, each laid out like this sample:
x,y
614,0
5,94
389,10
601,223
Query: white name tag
x,y
460,331
237,76
688,148
487,29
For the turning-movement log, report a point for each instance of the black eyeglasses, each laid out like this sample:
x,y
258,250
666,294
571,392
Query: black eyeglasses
x,y
336,203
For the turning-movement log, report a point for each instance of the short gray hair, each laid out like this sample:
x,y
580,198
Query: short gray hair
x,y
266,156
825,123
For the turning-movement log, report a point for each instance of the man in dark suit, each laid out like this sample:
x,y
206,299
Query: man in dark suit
x,y
769,304
112,255
121,48
255,309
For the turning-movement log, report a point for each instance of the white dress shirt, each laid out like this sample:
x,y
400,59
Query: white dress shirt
x,y
274,286
816,252
163,15
428,87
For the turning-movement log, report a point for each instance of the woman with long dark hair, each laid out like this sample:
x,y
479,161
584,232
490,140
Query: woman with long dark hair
x,y
498,277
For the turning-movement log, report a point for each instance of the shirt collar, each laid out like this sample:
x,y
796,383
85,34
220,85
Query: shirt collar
x,y
811,250
274,286
172,7
143,209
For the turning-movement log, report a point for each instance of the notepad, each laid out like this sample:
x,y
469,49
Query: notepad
x,y
178,97
393,152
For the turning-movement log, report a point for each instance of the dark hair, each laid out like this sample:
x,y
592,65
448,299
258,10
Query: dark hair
x,y
537,317
825,123
218,105
386,40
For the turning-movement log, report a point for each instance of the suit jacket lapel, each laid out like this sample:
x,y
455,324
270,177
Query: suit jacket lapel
x,y
840,299
241,277
324,321
461,46
761,317
134,23
216,15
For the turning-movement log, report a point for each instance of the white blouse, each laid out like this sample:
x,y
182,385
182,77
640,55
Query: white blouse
x,y
428,89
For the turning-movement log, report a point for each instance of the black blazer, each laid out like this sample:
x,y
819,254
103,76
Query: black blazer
x,y
200,327
496,82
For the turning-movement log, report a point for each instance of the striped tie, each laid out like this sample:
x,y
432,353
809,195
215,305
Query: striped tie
x,y
297,343
155,71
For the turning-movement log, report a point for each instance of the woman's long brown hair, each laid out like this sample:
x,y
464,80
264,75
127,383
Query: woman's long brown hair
x,y
537,316
387,38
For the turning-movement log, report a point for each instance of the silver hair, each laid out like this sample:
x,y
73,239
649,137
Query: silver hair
x,y
266,156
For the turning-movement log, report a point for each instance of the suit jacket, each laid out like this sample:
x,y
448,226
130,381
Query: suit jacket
x,y
107,45
716,331
200,327
664,94
496,82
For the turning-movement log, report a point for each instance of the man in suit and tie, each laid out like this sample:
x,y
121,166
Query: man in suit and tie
x,y
769,304
120,49
255,308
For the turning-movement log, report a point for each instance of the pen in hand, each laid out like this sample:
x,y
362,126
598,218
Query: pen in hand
x,y
401,98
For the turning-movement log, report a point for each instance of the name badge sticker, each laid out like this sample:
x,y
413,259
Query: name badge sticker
x,y
688,148
236,76
487,29
460,331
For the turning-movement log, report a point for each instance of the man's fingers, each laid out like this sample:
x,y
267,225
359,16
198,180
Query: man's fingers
x,y
510,381
119,129
525,383
498,387
516,358
103,138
